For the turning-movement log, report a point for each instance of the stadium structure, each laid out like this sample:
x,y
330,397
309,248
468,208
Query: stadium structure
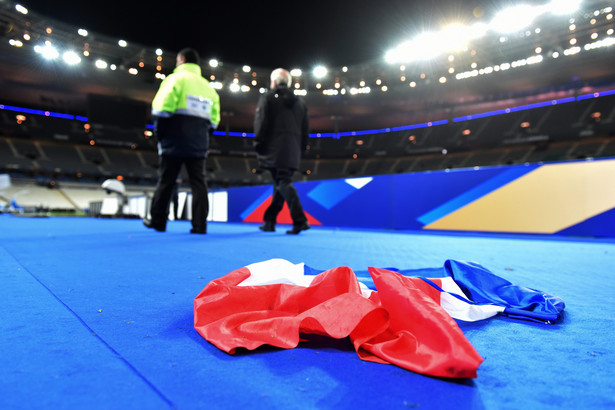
x,y
527,85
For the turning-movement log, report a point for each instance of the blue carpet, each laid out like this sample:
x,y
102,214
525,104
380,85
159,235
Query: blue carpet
x,y
97,314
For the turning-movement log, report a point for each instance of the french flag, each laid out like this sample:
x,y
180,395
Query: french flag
x,y
404,319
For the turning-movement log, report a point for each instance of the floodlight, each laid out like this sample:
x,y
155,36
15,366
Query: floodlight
x,y
513,19
102,64
21,9
47,51
71,58
320,71
564,6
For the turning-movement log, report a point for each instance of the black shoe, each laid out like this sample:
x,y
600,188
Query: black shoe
x,y
267,227
198,231
148,224
298,228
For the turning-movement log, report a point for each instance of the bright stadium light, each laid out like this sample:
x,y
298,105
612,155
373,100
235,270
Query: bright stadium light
x,y
21,9
101,64
513,19
47,51
320,71
71,58
564,7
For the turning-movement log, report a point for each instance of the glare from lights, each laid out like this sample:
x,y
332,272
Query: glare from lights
x,y
71,58
297,85
563,6
86,53
26,36
362,83
442,80
451,58
113,67
362,90
302,92
15,43
513,19
572,51
572,27
296,72
216,84
133,71
254,83
234,87
21,9
48,30
160,76
320,71
378,81
555,54
122,43
412,84
337,85
594,36
318,85
609,17
82,32
262,90
245,88
451,70
609,32
158,51
330,92
607,42
345,69
246,68
384,88
538,50
573,41
402,68
213,63
101,64
47,51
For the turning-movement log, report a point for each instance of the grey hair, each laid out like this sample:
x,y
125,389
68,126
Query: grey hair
x,y
281,76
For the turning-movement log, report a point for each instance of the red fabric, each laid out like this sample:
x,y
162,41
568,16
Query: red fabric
x,y
401,324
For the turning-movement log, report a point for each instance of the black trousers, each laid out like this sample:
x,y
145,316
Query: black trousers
x,y
284,190
169,170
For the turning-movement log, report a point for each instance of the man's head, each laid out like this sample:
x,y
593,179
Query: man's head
x,y
280,76
187,55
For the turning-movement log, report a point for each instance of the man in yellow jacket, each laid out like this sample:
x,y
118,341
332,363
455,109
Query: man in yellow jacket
x,y
185,110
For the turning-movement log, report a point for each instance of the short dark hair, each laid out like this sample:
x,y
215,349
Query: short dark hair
x,y
190,54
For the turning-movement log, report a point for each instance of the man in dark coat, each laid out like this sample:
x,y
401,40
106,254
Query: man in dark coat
x,y
281,135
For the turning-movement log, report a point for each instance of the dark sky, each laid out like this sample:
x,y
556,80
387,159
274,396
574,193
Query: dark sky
x,y
265,33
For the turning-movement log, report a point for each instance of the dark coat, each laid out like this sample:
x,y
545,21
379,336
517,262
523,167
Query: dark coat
x,y
281,129
182,136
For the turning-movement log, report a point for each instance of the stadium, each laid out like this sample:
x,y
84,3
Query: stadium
x,y
490,140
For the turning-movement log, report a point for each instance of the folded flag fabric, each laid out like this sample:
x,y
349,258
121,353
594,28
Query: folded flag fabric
x,y
407,321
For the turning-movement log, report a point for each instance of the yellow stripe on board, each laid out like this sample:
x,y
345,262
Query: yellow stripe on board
x,y
546,200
